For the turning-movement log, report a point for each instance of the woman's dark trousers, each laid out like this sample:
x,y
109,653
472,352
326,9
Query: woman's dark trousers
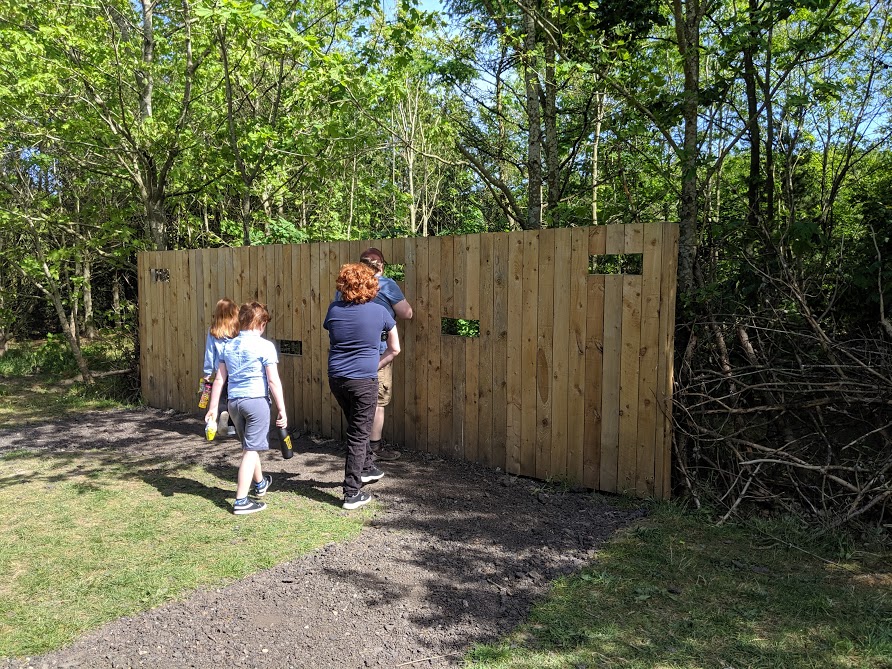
x,y
358,399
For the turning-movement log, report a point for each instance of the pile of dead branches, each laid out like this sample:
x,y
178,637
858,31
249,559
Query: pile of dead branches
x,y
774,413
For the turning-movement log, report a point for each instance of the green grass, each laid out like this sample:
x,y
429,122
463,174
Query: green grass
x,y
678,592
93,536
37,379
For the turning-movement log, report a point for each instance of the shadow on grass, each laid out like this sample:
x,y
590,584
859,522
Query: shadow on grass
x,y
142,444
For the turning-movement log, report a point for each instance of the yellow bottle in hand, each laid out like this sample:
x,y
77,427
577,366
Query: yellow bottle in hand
x,y
205,389
210,429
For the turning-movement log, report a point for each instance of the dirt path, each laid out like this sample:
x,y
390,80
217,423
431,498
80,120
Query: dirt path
x,y
455,555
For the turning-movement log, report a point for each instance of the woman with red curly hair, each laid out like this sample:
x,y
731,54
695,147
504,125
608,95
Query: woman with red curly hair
x,y
355,325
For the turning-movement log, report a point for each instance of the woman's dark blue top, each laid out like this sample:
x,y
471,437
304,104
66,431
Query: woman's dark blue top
x,y
354,331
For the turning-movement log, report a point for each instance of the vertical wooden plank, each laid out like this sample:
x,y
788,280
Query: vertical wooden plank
x,y
471,253
435,441
633,234
335,415
594,363
612,359
458,378
447,277
319,358
544,369
564,278
665,366
500,282
514,361
293,301
421,353
308,389
283,323
576,411
647,367
171,296
276,272
398,409
240,266
486,379
147,329
450,415
155,347
187,378
613,312
446,371
409,343
142,295
208,300
630,373
528,352
198,326
628,386
259,272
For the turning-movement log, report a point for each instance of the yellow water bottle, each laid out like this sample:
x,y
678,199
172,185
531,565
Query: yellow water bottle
x,y
210,429
205,389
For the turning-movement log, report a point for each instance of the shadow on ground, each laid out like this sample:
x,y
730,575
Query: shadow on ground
x,y
455,554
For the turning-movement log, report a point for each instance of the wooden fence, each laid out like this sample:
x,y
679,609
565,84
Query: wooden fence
x,y
569,378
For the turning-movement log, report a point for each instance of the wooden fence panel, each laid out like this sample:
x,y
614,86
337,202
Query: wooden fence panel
x,y
529,341
434,340
569,378
471,345
544,353
499,340
594,364
513,362
421,350
576,357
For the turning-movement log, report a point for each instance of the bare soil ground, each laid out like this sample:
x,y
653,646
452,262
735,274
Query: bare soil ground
x,y
455,555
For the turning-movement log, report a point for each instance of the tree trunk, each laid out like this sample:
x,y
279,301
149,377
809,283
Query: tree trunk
x,y
552,162
534,144
89,320
52,290
596,144
754,180
116,302
687,15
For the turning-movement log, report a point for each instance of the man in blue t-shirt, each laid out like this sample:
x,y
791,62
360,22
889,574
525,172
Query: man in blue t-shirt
x,y
391,297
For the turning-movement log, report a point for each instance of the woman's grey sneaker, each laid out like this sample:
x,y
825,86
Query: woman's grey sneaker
x,y
371,475
247,506
387,454
357,500
259,489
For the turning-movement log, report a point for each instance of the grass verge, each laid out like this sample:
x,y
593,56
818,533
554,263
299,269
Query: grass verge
x,y
93,536
678,592
38,379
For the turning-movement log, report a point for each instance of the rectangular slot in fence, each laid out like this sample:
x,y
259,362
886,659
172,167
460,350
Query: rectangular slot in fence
x,y
546,353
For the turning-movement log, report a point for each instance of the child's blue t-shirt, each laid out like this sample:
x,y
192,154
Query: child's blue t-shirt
x,y
354,332
246,358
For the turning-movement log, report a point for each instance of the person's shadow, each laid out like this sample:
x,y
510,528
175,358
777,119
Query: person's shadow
x,y
169,486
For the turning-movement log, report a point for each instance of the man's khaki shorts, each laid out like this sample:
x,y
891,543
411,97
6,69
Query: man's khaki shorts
x,y
385,384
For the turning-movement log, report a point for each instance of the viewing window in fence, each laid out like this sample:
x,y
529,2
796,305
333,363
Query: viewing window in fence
x,y
290,347
460,327
396,272
620,263
160,275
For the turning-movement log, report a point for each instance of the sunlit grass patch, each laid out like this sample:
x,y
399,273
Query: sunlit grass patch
x,y
679,592
94,536
38,379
